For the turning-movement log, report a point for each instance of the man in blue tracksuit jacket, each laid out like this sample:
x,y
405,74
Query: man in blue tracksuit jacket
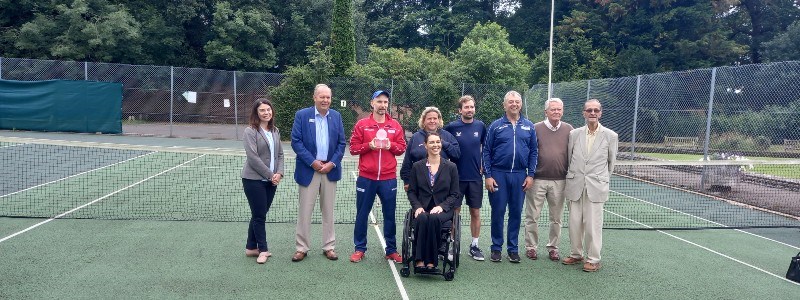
x,y
510,153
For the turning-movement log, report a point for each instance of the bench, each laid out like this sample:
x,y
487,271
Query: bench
x,y
790,145
682,142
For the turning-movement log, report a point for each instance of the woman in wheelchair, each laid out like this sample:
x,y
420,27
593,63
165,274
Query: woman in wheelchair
x,y
433,193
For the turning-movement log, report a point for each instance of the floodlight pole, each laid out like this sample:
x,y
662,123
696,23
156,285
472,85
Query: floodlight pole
x,y
550,59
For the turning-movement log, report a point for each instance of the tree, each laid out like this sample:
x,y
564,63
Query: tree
x,y
93,30
242,38
343,42
487,57
297,88
753,22
784,46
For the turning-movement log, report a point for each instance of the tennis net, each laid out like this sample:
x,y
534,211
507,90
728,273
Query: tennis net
x,y
82,180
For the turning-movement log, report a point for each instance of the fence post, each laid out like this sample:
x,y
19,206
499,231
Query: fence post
x,y
171,95
708,125
235,107
635,115
588,88
1,67
391,96
85,71
463,87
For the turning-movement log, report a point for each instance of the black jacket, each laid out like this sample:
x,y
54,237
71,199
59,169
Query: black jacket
x,y
444,191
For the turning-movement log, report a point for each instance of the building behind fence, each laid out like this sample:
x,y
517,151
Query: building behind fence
x,y
751,110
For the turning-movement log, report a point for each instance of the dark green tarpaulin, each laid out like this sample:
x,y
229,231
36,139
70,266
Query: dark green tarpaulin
x,y
61,105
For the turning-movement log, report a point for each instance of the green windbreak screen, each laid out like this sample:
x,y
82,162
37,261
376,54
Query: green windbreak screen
x,y
61,105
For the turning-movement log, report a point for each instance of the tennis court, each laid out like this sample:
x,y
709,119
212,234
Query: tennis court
x,y
91,216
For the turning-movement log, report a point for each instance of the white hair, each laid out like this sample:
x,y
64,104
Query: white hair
x,y
552,100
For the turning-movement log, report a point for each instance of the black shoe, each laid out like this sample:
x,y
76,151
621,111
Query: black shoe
x,y
495,257
513,257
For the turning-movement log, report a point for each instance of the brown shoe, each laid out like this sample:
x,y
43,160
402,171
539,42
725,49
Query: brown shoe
x,y
531,253
590,267
330,254
298,256
571,260
251,252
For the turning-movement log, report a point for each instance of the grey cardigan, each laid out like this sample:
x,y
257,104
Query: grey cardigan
x,y
256,165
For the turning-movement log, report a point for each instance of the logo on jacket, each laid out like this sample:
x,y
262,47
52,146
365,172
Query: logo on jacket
x,y
525,127
475,134
458,133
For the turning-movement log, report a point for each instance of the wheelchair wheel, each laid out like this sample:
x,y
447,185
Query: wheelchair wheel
x,y
449,275
405,271
406,248
456,240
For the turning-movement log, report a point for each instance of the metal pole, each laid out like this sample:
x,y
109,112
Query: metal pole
x,y
171,95
1,67
708,125
391,96
463,87
550,55
85,71
635,115
588,88
235,106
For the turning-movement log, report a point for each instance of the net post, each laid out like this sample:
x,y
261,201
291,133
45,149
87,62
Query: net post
x,y
708,122
635,114
171,95
86,71
235,107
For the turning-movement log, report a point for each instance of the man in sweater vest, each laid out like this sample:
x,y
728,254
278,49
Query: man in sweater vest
x,y
551,172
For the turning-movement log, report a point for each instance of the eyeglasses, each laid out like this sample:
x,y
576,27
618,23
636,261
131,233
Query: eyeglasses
x,y
592,110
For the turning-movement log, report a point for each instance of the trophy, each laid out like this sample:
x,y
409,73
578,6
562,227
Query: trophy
x,y
381,142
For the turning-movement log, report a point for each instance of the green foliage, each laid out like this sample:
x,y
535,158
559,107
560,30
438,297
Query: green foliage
x,y
297,88
241,38
732,141
343,53
93,30
785,45
487,57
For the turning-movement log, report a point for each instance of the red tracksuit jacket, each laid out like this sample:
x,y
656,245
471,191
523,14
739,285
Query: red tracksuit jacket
x,y
377,164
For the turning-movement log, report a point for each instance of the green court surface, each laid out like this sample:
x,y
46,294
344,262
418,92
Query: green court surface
x,y
120,240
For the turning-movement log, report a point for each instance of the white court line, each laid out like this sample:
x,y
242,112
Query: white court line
x,y
377,227
712,222
95,201
81,173
704,248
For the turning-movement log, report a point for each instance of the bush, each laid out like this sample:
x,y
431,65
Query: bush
x,y
732,141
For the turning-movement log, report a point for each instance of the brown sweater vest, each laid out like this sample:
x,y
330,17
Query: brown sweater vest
x,y
553,161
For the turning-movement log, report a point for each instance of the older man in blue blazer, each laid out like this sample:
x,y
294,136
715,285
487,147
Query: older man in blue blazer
x,y
318,141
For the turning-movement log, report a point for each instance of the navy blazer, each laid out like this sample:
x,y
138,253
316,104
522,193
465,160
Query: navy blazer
x,y
444,192
304,140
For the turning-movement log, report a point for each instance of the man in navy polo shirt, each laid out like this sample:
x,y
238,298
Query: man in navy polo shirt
x,y
470,133
510,154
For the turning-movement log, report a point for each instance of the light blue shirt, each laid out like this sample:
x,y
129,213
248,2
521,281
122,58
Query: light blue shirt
x,y
271,143
321,123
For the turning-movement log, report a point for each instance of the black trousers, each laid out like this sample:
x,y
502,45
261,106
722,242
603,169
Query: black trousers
x,y
428,236
259,196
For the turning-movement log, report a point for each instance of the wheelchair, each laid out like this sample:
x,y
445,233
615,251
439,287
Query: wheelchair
x,y
450,237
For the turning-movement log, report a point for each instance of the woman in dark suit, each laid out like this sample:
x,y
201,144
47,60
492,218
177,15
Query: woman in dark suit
x,y
433,193
262,172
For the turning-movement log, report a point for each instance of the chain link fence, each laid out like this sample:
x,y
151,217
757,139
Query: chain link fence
x,y
162,100
751,110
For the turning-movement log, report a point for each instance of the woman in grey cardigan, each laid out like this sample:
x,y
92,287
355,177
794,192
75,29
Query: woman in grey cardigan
x,y
262,172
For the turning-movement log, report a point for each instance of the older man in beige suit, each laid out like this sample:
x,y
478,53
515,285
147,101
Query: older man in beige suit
x,y
592,151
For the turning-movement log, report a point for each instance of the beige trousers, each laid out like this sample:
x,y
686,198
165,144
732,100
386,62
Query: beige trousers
x,y
586,225
553,192
326,190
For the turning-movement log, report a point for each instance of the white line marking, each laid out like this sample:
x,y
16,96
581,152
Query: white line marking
x,y
712,222
377,228
95,201
12,145
704,248
81,173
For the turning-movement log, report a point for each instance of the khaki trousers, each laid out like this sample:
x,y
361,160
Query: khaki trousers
x,y
586,225
326,190
553,192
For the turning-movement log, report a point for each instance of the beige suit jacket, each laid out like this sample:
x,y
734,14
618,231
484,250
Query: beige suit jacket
x,y
591,171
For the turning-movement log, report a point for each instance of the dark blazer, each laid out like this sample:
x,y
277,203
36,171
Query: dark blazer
x,y
304,144
444,191
415,150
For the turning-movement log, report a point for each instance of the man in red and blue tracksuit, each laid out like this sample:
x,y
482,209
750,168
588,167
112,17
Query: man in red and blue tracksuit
x,y
510,153
377,173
